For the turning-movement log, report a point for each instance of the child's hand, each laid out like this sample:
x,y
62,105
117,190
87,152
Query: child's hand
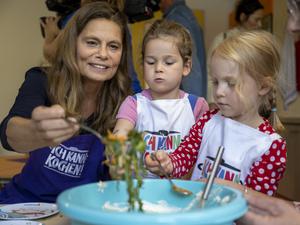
x,y
165,161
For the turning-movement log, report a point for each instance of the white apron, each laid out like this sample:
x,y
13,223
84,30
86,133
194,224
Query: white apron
x,y
243,146
164,122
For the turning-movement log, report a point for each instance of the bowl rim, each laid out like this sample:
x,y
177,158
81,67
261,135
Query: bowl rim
x,y
237,207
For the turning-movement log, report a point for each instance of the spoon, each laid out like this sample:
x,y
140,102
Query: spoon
x,y
211,177
86,128
175,188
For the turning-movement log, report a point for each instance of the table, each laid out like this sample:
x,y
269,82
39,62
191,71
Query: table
x,y
11,165
57,219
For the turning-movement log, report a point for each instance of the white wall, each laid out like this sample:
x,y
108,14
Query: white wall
x,y
216,16
20,45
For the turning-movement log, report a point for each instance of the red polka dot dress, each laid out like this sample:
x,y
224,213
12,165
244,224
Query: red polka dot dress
x,y
264,173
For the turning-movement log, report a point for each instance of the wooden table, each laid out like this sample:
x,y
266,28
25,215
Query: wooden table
x,y
11,165
57,219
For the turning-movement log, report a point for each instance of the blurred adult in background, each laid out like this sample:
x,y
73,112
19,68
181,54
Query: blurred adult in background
x,y
248,15
289,80
52,31
264,210
177,10
86,82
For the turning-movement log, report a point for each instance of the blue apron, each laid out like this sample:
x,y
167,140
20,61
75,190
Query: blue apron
x,y
51,170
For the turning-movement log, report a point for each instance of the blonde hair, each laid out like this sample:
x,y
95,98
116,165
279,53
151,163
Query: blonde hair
x,y
65,80
257,53
165,28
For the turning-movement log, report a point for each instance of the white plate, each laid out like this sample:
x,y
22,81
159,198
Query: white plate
x,y
27,211
20,222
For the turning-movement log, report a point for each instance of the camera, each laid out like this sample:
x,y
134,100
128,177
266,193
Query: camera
x,y
63,8
139,10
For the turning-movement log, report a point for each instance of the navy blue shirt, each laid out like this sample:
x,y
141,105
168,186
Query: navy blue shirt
x,y
50,170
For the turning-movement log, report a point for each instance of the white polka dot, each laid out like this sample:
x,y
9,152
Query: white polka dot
x,y
259,179
278,153
261,171
273,174
256,163
267,186
272,181
272,158
274,146
270,192
270,166
182,154
258,187
249,180
282,159
190,146
267,153
283,147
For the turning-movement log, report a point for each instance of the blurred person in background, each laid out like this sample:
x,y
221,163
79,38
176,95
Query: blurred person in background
x,y
177,11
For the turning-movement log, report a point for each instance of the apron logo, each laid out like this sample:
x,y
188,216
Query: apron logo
x,y
225,171
163,140
67,161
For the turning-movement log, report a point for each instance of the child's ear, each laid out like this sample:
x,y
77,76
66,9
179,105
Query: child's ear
x,y
263,90
187,67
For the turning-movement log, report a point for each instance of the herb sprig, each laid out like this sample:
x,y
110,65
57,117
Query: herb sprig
x,y
124,158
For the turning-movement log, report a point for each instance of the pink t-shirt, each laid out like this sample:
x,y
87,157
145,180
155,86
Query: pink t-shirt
x,y
128,109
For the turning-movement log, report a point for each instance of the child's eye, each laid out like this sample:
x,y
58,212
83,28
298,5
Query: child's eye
x,y
149,62
169,63
214,82
231,83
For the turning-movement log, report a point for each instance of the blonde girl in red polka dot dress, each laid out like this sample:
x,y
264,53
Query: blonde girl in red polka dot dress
x,y
243,72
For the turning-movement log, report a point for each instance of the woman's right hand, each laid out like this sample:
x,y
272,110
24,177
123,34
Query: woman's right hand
x,y
47,127
163,158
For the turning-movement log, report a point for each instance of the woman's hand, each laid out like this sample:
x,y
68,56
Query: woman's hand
x,y
265,210
47,127
163,158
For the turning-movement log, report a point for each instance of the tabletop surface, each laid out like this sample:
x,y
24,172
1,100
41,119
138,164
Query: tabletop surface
x,y
57,219
11,165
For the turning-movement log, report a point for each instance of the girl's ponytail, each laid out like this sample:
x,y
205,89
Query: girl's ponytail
x,y
274,119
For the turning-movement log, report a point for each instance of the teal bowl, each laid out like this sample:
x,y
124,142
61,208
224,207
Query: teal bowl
x,y
84,204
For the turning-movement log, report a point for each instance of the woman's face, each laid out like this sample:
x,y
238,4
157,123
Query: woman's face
x,y
254,21
99,50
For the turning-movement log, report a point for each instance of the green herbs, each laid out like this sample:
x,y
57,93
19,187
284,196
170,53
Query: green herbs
x,y
125,160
